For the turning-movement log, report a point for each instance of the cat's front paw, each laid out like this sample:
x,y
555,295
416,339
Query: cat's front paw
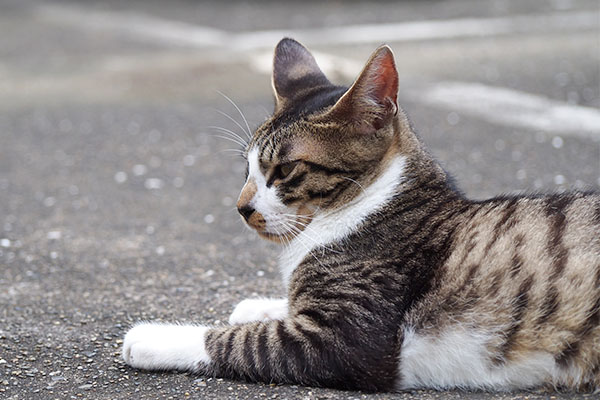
x,y
157,346
255,310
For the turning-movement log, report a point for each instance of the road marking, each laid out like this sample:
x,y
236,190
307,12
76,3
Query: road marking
x,y
156,30
159,30
423,30
497,105
511,107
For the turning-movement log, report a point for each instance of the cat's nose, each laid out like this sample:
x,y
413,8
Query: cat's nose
x,y
246,211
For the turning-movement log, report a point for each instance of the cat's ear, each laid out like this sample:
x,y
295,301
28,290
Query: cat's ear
x,y
294,70
371,102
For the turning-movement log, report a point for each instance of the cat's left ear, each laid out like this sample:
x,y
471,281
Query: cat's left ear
x,y
371,102
294,70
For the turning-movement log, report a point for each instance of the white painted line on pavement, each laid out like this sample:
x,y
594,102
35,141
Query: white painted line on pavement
x,y
159,30
497,105
423,30
185,34
512,108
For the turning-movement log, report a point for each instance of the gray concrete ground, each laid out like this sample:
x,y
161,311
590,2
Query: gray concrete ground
x,y
117,202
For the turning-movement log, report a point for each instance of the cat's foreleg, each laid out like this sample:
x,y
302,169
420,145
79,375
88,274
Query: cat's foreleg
x,y
300,349
254,310
294,350
157,346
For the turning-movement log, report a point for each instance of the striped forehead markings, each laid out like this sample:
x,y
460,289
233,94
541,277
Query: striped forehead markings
x,y
265,151
262,147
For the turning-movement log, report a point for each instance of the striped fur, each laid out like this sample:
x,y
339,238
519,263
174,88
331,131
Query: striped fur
x,y
395,280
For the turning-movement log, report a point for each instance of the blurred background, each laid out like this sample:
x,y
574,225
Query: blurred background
x,y
117,198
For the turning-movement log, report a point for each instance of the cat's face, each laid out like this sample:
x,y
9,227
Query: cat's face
x,y
322,145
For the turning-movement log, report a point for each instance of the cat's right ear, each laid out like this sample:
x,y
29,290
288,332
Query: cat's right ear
x,y
371,102
294,70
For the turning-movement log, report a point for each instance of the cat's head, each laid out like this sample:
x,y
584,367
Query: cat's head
x,y
322,145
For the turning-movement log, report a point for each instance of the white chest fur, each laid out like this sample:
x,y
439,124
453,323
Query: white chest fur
x,y
336,226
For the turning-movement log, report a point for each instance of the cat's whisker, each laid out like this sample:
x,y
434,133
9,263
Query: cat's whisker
x,y
233,136
235,151
230,132
307,248
286,240
293,219
241,113
298,215
305,225
239,151
230,139
312,231
300,232
233,120
354,181
226,137
312,214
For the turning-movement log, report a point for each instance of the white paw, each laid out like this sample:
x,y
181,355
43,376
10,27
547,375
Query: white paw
x,y
253,310
157,346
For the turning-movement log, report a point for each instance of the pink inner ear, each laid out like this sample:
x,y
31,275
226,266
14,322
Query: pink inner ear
x,y
385,79
372,100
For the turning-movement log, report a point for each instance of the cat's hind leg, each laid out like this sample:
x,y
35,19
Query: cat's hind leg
x,y
257,310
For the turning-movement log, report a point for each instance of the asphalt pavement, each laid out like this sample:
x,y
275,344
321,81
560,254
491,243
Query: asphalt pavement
x,y
117,197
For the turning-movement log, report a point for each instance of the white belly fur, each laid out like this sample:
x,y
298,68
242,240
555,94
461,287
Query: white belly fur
x,y
459,358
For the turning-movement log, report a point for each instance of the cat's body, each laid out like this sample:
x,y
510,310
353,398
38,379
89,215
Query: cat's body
x,y
394,279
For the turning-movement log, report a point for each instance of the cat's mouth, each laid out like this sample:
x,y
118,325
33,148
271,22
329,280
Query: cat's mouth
x,y
293,229
279,227
277,235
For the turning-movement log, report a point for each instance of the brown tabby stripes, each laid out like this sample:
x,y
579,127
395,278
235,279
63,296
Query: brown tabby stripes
x,y
523,271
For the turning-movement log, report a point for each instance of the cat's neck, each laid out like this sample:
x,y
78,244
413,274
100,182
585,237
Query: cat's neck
x,y
337,225
408,173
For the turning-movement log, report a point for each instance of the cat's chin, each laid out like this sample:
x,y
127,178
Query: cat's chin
x,y
277,238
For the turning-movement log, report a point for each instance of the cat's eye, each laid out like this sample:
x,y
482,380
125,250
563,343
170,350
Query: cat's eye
x,y
284,170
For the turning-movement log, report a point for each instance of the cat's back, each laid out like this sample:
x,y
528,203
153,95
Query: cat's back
x,y
553,235
519,296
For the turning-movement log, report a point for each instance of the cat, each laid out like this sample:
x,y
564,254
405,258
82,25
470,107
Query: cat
x,y
395,280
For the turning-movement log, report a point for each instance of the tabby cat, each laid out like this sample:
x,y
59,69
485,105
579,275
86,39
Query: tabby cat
x,y
394,279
